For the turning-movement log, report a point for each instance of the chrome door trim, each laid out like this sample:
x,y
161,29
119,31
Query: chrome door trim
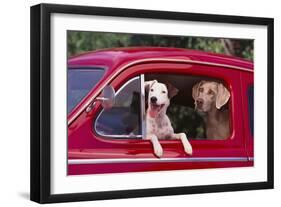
x,y
143,121
159,160
250,158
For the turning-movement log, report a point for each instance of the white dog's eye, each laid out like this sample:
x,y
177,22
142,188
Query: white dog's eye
x,y
151,90
163,91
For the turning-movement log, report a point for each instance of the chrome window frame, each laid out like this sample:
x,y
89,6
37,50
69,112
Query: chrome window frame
x,y
143,113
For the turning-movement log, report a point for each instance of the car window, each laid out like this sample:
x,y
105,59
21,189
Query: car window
x,y
251,108
183,114
123,120
79,83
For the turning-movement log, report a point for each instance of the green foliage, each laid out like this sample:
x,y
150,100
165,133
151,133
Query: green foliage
x,y
79,42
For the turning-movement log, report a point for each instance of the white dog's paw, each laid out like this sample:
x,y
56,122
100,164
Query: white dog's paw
x,y
158,150
188,149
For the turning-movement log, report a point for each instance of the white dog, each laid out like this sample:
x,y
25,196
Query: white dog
x,y
158,125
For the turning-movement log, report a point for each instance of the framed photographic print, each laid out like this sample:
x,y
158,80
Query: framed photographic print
x,y
132,103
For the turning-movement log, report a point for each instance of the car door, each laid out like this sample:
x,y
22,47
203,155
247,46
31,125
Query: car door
x,y
119,133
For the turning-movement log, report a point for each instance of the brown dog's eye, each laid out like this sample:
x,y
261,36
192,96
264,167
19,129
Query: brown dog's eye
x,y
163,91
151,90
210,92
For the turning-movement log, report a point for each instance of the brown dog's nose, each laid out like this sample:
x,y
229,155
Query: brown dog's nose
x,y
199,102
153,99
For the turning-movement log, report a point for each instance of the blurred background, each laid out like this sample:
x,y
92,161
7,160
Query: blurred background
x,y
82,41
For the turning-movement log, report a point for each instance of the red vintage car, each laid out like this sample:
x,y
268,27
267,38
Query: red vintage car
x,y
108,138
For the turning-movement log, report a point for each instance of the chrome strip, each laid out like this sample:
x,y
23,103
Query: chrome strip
x,y
124,136
250,159
143,126
117,136
151,60
157,160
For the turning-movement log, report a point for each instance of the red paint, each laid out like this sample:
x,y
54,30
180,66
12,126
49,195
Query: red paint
x,y
84,143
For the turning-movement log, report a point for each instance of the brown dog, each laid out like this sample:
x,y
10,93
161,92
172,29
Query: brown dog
x,y
209,97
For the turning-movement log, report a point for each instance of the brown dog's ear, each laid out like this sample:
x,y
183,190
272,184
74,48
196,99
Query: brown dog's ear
x,y
148,84
195,88
223,96
172,90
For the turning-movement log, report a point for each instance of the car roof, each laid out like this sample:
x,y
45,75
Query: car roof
x,y
114,57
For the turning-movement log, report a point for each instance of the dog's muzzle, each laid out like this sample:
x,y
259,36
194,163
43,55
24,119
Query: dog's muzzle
x,y
199,103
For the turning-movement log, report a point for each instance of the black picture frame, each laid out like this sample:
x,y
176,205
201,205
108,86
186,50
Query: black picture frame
x,y
41,96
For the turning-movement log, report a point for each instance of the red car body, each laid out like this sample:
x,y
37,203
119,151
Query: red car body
x,y
90,153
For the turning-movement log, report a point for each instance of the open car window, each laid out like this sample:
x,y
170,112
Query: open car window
x,y
124,119
182,111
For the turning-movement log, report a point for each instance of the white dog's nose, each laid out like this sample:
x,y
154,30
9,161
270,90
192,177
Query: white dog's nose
x,y
153,99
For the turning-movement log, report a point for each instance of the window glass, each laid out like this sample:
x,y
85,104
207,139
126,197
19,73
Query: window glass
x,y
124,118
251,108
195,122
79,83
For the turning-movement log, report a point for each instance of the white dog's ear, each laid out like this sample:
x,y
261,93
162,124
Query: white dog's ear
x,y
195,89
148,84
223,96
172,90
